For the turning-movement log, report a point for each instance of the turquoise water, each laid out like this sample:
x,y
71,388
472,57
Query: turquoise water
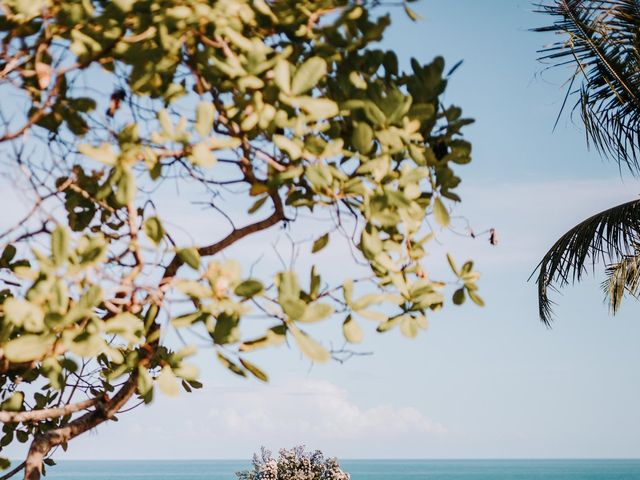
x,y
362,470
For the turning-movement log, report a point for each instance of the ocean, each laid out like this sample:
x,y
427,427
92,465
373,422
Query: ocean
x,y
360,470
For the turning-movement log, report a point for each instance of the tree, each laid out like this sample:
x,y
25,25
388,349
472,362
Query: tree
x,y
259,110
601,40
294,464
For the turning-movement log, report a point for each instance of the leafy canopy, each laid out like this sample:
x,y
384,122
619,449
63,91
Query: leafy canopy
x,y
280,109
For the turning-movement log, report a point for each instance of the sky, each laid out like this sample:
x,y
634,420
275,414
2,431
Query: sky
x,y
488,382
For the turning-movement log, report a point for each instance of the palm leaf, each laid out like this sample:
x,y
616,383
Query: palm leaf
x,y
623,277
607,236
601,39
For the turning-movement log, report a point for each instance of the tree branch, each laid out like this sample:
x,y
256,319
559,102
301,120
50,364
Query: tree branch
x,y
39,415
43,443
13,472
234,236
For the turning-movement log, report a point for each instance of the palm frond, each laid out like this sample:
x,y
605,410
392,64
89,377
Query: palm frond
x,y
623,278
607,236
601,38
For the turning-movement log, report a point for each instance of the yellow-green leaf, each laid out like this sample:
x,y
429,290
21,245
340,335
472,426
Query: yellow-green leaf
x,y
168,382
153,229
352,331
190,256
22,313
60,245
282,76
308,75
320,243
249,288
104,153
440,213
28,347
312,349
255,371
202,156
316,312
205,114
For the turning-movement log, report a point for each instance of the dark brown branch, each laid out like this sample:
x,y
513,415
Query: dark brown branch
x,y
234,236
13,472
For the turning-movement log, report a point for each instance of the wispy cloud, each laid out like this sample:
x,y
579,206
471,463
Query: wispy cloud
x,y
316,409
229,422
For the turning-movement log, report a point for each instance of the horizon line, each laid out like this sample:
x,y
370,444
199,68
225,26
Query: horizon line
x,y
355,459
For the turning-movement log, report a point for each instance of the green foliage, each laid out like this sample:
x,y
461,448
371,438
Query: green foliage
x,y
292,102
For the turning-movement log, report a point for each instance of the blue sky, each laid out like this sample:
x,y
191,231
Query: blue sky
x,y
480,383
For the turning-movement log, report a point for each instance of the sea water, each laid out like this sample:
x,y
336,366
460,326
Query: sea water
x,y
360,470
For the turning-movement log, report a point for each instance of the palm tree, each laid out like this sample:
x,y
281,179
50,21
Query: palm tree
x,y
601,39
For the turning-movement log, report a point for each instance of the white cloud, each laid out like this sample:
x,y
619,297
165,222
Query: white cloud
x,y
318,409
232,422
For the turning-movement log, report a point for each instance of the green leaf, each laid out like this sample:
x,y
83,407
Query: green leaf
x,y
205,115
314,283
28,347
190,256
440,213
293,307
13,403
368,300
188,319
22,313
153,229
475,298
452,264
168,382
22,436
194,289
320,243
4,463
409,326
59,245
411,13
231,366
165,123
308,75
318,108
362,137
312,349
187,371
347,291
145,382
226,329
255,371
373,315
126,192
202,156
249,288
257,204
458,296
315,312
8,254
357,81
288,286
282,76
289,146
352,331
104,153
124,5
126,325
